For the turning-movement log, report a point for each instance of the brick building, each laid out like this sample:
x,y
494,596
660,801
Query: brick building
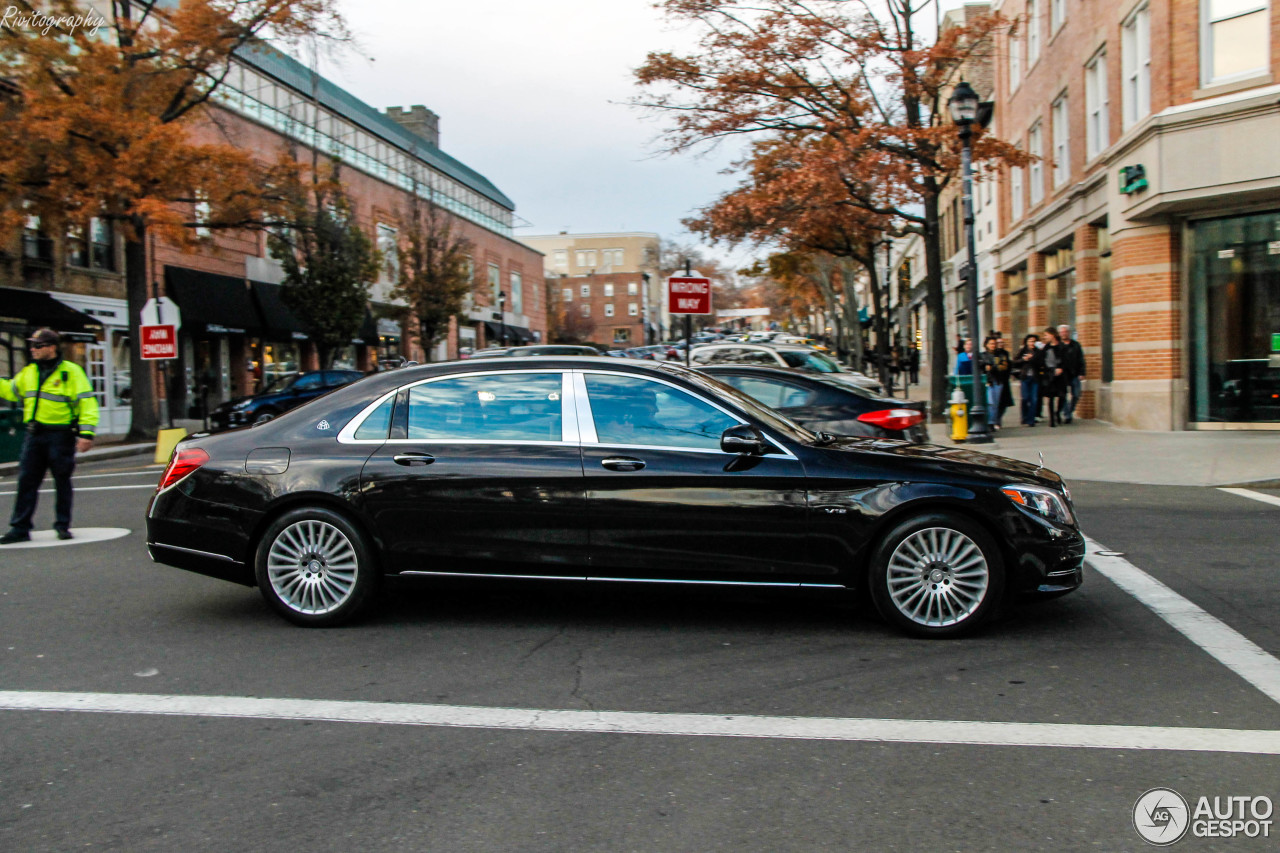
x,y
616,261
236,332
1151,223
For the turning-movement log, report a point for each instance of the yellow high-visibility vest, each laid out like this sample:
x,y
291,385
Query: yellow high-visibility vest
x,y
65,398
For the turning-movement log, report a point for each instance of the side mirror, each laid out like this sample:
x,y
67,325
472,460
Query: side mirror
x,y
742,438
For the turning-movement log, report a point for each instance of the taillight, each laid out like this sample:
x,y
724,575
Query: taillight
x,y
182,463
895,419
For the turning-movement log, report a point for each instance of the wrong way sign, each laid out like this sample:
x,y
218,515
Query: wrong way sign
x,y
159,342
689,294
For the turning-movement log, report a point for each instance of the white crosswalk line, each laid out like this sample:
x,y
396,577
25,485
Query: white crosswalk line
x,y
1250,493
1234,650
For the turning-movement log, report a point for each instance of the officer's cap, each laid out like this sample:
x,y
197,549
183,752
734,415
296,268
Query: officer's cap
x,y
44,336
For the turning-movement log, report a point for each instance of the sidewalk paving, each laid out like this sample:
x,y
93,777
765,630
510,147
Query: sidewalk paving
x,y
1094,450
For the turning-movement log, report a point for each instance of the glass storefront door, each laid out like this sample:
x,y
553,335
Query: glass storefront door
x,y
1235,319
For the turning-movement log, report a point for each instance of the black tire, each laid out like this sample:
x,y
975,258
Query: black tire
x,y
265,415
315,568
937,575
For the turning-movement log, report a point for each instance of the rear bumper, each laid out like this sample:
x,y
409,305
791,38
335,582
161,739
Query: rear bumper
x,y
201,562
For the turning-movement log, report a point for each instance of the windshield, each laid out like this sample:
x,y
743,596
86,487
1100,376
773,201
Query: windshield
x,y
815,361
279,384
766,416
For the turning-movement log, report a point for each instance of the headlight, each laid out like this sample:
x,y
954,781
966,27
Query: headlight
x,y
1047,502
242,405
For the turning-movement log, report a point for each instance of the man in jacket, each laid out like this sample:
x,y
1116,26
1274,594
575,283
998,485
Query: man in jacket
x,y
1073,370
61,416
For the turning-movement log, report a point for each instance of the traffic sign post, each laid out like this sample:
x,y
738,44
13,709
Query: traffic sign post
x,y
159,342
688,294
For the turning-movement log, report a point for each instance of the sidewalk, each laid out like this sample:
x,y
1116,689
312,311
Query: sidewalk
x,y
1094,450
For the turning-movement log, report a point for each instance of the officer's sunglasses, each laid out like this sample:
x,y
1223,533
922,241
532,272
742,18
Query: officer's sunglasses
x,y
40,346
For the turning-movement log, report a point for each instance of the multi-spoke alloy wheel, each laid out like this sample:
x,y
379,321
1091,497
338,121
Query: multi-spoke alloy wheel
x,y
936,575
314,568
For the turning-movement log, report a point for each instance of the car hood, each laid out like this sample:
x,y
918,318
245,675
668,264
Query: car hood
x,y
987,464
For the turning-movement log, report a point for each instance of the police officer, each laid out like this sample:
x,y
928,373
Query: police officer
x,y
61,415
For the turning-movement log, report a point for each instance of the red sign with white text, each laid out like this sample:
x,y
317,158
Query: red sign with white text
x,y
688,295
159,342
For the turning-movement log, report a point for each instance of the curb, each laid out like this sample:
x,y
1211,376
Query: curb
x,y
96,455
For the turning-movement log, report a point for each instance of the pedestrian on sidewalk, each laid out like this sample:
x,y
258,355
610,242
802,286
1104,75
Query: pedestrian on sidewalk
x,y
913,364
1027,365
964,361
1073,369
61,416
1053,376
995,367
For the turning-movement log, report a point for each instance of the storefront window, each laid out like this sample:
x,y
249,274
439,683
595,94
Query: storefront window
x,y
1235,319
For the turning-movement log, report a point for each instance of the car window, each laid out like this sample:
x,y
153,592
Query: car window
x,y
814,361
770,392
310,382
502,406
635,410
379,421
757,356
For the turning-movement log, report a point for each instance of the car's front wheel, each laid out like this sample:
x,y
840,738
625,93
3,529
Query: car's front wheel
x,y
315,567
937,575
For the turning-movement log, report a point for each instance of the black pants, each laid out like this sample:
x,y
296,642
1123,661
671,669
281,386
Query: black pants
x,y
52,451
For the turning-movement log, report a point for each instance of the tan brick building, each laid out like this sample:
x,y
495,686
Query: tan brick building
x,y
1151,223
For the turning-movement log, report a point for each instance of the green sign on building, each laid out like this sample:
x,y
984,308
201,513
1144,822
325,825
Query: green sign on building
x,y
1275,341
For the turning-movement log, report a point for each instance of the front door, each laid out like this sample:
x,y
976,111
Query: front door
x,y
480,475
667,503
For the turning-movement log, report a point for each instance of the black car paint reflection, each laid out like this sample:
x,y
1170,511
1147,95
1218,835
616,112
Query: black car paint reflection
x,y
804,510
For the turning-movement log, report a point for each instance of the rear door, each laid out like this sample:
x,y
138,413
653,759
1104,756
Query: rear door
x,y
665,501
482,473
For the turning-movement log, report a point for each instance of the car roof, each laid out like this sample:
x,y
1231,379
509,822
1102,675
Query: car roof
x,y
793,374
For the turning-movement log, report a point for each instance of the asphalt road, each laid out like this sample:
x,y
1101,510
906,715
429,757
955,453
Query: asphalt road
x,y
101,618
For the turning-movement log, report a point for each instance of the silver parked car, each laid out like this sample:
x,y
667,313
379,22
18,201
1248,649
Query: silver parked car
x,y
783,355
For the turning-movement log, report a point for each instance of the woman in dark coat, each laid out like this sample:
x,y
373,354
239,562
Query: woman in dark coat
x,y
1027,365
1053,381
995,369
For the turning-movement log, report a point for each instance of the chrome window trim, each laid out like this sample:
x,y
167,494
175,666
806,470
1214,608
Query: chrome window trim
x,y
348,433
585,406
586,419
568,421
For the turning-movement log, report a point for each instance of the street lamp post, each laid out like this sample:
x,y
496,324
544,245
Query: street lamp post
x,y
885,322
963,104
502,316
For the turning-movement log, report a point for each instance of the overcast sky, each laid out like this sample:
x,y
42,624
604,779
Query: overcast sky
x,y
533,95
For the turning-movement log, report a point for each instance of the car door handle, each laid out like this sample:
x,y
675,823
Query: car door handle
x,y
622,463
413,458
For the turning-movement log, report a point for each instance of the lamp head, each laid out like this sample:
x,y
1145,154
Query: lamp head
x,y
963,104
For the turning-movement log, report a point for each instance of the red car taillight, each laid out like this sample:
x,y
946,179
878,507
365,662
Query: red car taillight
x,y
182,463
895,419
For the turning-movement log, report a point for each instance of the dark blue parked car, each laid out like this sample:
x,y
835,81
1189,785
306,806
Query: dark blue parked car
x,y
279,396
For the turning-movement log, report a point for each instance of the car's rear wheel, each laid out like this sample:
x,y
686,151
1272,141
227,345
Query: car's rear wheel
x,y
315,567
938,575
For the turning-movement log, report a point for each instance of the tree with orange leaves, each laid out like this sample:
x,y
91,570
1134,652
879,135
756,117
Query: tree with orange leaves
x,y
105,120
861,81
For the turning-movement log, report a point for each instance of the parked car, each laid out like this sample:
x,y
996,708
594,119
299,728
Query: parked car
x,y
279,396
553,349
783,355
655,352
604,470
819,403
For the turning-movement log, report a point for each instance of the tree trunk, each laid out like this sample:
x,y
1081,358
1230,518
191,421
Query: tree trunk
x,y
852,321
882,343
145,418
939,350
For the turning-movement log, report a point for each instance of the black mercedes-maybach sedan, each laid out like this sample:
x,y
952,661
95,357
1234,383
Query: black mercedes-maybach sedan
x,y
579,469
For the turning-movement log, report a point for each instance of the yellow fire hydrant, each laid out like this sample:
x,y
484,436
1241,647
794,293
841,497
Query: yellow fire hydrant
x,y
959,412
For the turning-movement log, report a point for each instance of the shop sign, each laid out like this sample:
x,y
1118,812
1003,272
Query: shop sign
x,y
1133,178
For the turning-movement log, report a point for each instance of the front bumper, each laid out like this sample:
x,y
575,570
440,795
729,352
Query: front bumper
x,y
1049,567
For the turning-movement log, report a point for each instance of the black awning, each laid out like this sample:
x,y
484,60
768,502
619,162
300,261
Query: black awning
x,y
496,331
278,318
211,303
23,311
